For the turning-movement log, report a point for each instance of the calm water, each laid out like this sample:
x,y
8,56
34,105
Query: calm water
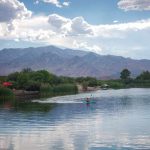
x,y
119,120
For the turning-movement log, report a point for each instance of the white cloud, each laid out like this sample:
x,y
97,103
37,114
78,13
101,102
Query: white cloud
x,y
36,2
66,3
138,5
79,26
59,23
57,3
76,33
12,9
71,27
86,46
121,30
115,21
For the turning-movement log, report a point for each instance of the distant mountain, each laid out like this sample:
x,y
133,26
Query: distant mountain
x,y
68,62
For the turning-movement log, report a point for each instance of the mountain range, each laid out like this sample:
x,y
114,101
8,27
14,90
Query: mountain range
x,y
68,62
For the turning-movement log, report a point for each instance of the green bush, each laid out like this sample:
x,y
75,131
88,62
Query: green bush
x,y
32,86
6,93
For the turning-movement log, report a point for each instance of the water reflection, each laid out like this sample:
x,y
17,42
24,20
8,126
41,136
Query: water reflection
x,y
25,106
113,122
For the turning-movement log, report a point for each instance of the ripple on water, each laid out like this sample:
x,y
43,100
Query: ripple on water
x,y
119,119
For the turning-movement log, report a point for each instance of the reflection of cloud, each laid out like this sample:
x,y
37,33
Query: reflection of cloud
x,y
62,136
6,143
75,126
74,134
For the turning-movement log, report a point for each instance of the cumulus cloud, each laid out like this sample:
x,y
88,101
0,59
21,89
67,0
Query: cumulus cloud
x,y
80,26
12,9
32,29
138,5
74,27
59,23
77,33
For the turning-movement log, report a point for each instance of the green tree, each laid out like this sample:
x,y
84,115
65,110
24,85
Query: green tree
x,y
125,74
22,80
144,76
92,82
42,76
13,76
32,86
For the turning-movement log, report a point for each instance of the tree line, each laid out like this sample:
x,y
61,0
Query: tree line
x,y
46,83
30,80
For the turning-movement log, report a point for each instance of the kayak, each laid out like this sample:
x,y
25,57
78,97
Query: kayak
x,y
89,102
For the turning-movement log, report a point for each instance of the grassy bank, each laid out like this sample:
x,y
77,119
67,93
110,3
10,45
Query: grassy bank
x,y
47,90
46,84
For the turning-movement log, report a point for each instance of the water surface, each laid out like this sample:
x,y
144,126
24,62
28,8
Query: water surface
x,y
119,120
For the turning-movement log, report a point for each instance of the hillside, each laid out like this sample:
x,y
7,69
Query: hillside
x,y
68,62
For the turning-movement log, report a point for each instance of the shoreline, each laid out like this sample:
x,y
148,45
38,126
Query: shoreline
x,y
30,95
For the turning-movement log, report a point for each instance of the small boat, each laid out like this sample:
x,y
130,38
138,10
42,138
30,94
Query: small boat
x,y
89,101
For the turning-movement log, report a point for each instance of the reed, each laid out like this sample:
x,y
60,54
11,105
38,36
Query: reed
x,y
46,90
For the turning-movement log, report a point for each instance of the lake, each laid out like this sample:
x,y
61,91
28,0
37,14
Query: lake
x,y
118,120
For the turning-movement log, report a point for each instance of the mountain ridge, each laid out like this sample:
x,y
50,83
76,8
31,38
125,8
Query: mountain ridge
x,y
69,62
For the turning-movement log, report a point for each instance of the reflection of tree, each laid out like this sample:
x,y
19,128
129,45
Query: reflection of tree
x,y
126,101
8,103
30,106
26,106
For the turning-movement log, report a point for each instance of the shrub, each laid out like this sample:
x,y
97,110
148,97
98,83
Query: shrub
x,y
6,93
32,86
116,85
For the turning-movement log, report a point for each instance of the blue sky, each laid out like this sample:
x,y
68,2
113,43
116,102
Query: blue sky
x,y
93,11
115,27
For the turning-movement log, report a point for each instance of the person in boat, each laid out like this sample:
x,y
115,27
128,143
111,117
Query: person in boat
x,y
87,100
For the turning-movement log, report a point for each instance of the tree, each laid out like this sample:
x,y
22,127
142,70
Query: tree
x,y
22,80
13,76
92,82
144,76
42,76
27,70
32,86
125,74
